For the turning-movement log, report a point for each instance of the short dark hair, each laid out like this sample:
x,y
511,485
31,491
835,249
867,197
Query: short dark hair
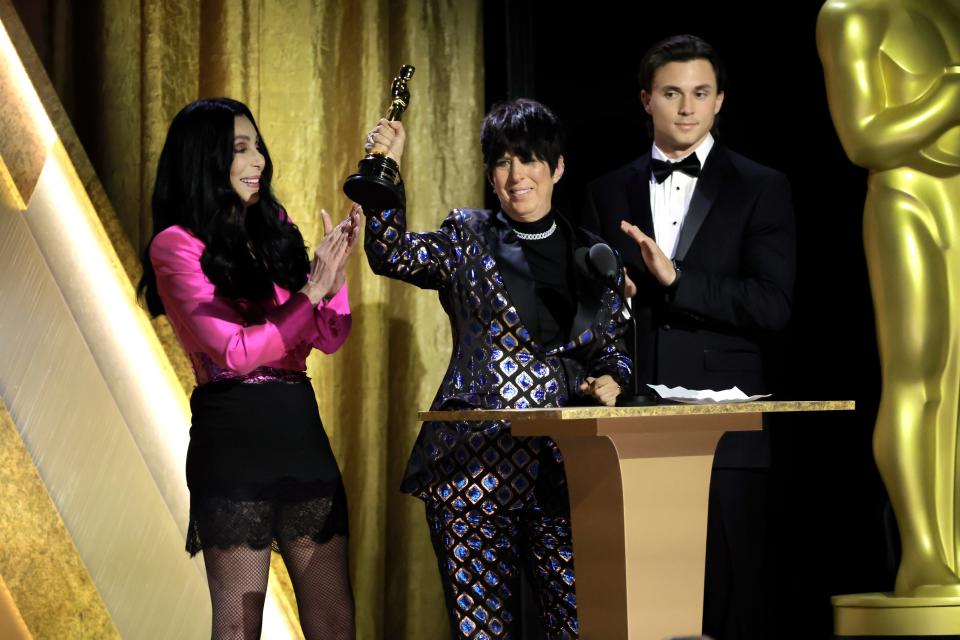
x,y
681,48
524,127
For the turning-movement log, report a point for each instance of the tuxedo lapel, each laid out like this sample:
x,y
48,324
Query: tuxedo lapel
x,y
638,196
704,196
636,188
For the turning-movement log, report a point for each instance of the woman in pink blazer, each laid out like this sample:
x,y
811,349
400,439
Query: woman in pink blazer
x,y
230,270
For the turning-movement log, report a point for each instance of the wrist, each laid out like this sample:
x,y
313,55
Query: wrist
x,y
310,292
338,283
672,286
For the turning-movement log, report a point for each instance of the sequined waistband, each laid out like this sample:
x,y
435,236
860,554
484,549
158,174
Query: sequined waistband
x,y
207,371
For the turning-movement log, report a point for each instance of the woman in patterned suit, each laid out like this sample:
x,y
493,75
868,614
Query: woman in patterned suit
x,y
530,329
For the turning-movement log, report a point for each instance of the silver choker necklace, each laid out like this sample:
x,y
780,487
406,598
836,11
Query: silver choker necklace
x,y
537,236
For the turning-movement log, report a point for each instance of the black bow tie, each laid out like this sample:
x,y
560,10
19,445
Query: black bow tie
x,y
662,170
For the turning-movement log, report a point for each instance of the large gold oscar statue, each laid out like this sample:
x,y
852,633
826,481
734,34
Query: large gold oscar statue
x,y
892,71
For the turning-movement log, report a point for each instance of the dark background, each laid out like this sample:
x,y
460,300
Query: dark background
x,y
828,512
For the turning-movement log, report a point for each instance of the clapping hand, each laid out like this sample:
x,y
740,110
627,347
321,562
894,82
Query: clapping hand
x,y
659,265
328,267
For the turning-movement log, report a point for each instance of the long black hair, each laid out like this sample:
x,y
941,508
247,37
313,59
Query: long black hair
x,y
248,248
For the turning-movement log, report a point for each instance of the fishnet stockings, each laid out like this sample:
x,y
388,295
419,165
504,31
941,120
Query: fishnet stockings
x,y
237,577
321,581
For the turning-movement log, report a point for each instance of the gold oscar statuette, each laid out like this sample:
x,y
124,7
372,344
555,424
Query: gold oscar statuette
x,y
892,73
376,184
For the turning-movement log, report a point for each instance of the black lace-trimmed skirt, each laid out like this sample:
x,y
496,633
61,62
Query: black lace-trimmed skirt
x,y
260,467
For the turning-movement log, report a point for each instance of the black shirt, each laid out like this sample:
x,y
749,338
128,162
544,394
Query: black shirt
x,y
549,262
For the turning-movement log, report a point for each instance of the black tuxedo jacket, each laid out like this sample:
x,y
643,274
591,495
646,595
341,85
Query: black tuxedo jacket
x,y
736,255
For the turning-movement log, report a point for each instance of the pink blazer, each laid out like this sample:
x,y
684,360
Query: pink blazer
x,y
229,339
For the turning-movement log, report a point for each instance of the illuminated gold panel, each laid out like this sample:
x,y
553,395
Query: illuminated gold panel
x,y
52,591
88,386
9,192
68,417
12,626
24,139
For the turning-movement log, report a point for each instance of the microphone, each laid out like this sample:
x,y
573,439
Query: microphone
x,y
599,261
604,262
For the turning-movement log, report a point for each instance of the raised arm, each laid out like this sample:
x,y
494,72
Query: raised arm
x,y
422,259
332,316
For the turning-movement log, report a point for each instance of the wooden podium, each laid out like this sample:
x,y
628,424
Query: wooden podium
x,y
639,479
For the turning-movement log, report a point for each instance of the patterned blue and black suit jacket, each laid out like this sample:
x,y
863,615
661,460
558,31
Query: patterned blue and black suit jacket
x,y
476,264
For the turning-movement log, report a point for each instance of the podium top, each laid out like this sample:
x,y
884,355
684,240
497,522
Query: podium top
x,y
588,413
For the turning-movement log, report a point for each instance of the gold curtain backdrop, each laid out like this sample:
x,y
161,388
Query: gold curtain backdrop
x,y
316,76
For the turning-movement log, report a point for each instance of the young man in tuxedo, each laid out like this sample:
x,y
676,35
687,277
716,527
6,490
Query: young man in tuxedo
x,y
707,237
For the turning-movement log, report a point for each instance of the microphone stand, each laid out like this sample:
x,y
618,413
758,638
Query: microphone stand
x,y
635,397
602,262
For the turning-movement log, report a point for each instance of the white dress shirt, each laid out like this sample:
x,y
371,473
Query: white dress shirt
x,y
670,199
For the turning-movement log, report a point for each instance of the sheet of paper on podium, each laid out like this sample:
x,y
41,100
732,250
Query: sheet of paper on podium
x,y
703,396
